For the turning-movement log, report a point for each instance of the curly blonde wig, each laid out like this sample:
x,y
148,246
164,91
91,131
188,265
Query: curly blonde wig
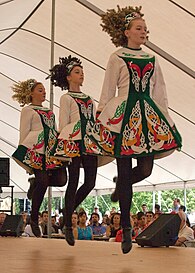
x,y
23,91
114,23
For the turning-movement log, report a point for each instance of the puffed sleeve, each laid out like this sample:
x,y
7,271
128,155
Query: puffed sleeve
x,y
64,112
110,81
25,123
158,91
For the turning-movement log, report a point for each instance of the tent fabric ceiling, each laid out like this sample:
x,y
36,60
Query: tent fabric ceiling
x,y
25,48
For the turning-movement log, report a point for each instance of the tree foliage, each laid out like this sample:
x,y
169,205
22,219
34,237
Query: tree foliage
x,y
104,203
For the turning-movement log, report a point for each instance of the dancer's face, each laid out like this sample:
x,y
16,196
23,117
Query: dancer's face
x,y
136,33
38,94
76,76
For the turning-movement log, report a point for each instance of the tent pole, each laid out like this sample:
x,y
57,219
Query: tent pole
x,y
185,196
51,107
153,195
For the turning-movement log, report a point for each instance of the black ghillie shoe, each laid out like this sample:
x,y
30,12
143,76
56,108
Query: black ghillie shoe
x,y
114,196
126,244
35,229
32,182
69,236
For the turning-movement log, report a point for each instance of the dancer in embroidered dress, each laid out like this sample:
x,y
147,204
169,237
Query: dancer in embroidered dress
x,y
136,122
38,140
76,110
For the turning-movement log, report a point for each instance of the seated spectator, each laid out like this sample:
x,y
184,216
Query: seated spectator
x,y
54,225
96,227
185,232
115,225
105,220
28,231
156,215
44,223
149,217
141,224
2,219
96,210
83,232
74,220
157,209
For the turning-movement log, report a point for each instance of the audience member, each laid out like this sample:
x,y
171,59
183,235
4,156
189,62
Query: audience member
x,y
55,227
157,209
183,208
115,225
74,220
2,219
44,223
105,220
96,227
149,217
83,232
176,205
141,224
185,232
96,210
144,208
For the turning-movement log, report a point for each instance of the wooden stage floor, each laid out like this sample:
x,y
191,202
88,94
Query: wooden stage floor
x,y
38,255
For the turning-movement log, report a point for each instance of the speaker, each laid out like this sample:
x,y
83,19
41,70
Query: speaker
x,y
4,172
12,226
162,232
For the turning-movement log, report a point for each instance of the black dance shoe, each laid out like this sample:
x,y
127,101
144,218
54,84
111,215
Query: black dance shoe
x,y
32,182
69,236
114,196
126,244
35,229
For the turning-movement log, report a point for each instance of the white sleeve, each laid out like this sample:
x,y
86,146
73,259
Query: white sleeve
x,y
25,123
64,111
110,81
158,91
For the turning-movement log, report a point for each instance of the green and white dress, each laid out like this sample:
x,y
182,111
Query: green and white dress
x,y
38,139
77,111
135,122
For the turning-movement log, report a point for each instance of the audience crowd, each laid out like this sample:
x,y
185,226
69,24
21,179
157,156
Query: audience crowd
x,y
108,226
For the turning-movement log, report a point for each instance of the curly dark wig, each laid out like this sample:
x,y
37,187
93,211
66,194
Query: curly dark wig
x,y
114,23
60,71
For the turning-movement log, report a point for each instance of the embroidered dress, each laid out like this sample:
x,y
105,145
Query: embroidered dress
x,y
76,111
136,123
38,139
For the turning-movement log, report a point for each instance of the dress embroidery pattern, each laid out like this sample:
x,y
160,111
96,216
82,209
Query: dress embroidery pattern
x,y
46,142
144,129
72,147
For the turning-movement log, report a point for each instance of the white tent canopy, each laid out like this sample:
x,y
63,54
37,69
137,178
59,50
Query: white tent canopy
x,y
25,31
